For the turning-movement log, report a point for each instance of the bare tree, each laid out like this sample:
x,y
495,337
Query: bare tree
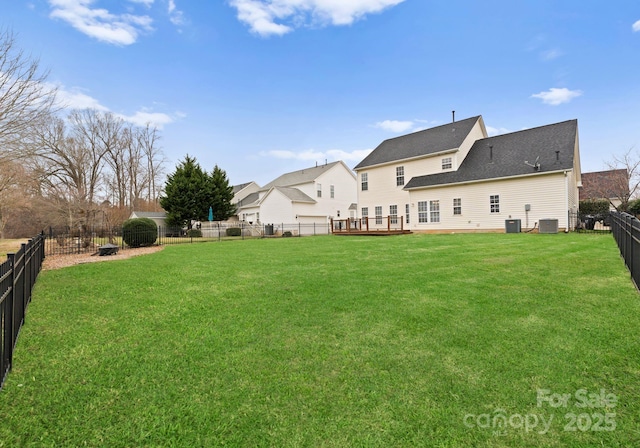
x,y
25,98
623,180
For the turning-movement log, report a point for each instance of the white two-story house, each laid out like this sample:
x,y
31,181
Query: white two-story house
x,y
310,196
456,178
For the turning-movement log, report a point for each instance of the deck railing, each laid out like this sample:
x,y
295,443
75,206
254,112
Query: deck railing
x,y
376,224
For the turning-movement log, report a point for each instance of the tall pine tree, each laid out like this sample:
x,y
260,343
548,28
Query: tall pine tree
x,y
186,194
221,194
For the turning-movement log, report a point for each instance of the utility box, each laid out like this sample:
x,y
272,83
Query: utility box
x,y
268,229
512,226
548,226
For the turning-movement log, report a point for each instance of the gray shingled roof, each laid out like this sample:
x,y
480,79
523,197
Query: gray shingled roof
x,y
294,194
300,176
237,188
157,215
553,144
250,199
429,141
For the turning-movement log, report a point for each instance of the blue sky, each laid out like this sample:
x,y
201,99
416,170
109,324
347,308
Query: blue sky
x,y
263,87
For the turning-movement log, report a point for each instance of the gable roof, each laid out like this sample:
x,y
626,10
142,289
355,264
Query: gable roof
x,y
301,176
237,188
512,154
294,194
151,215
421,143
605,184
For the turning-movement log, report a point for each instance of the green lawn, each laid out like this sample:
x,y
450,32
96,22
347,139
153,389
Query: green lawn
x,y
418,340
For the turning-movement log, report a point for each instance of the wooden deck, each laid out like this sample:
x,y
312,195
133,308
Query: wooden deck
x,y
378,226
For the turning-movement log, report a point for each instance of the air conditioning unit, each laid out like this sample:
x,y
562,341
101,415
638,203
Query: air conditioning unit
x,y
512,226
548,226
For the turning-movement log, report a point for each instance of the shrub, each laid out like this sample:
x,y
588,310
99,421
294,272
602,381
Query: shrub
x,y
139,232
234,231
594,207
286,234
634,207
194,233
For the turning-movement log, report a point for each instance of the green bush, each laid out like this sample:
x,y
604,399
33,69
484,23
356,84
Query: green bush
x,y
234,231
634,207
194,233
594,207
139,232
287,234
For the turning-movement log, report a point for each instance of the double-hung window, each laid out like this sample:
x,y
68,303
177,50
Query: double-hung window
x,y
423,211
457,206
434,207
364,181
378,214
399,176
494,203
393,213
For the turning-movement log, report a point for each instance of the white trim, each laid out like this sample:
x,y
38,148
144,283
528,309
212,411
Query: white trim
x,y
492,179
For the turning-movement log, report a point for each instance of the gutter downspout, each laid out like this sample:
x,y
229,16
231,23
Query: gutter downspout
x,y
566,200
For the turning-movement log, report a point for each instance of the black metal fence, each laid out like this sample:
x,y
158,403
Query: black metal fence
x,y
584,223
66,241
626,231
17,276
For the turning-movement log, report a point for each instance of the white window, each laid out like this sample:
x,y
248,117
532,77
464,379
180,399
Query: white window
x,y
457,206
393,213
435,211
365,213
319,193
423,211
332,191
378,214
494,202
364,181
406,213
399,176
447,163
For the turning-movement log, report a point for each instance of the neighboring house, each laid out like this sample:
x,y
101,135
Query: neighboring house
x,y
612,185
309,196
455,178
157,217
243,194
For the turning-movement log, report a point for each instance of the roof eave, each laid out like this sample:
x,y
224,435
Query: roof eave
x,y
409,159
491,179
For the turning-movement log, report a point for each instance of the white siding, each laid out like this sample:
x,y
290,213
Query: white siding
x,y
383,190
545,193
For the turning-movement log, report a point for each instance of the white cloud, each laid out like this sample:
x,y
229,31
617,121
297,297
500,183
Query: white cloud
x,y
75,99
331,155
69,99
636,26
395,125
496,131
555,96
99,23
175,15
144,117
550,55
146,3
262,15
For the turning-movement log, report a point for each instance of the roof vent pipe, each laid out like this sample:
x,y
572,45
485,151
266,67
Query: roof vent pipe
x,y
557,155
453,116
491,153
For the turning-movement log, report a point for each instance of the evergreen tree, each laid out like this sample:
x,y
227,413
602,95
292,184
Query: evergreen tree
x,y
186,194
221,195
